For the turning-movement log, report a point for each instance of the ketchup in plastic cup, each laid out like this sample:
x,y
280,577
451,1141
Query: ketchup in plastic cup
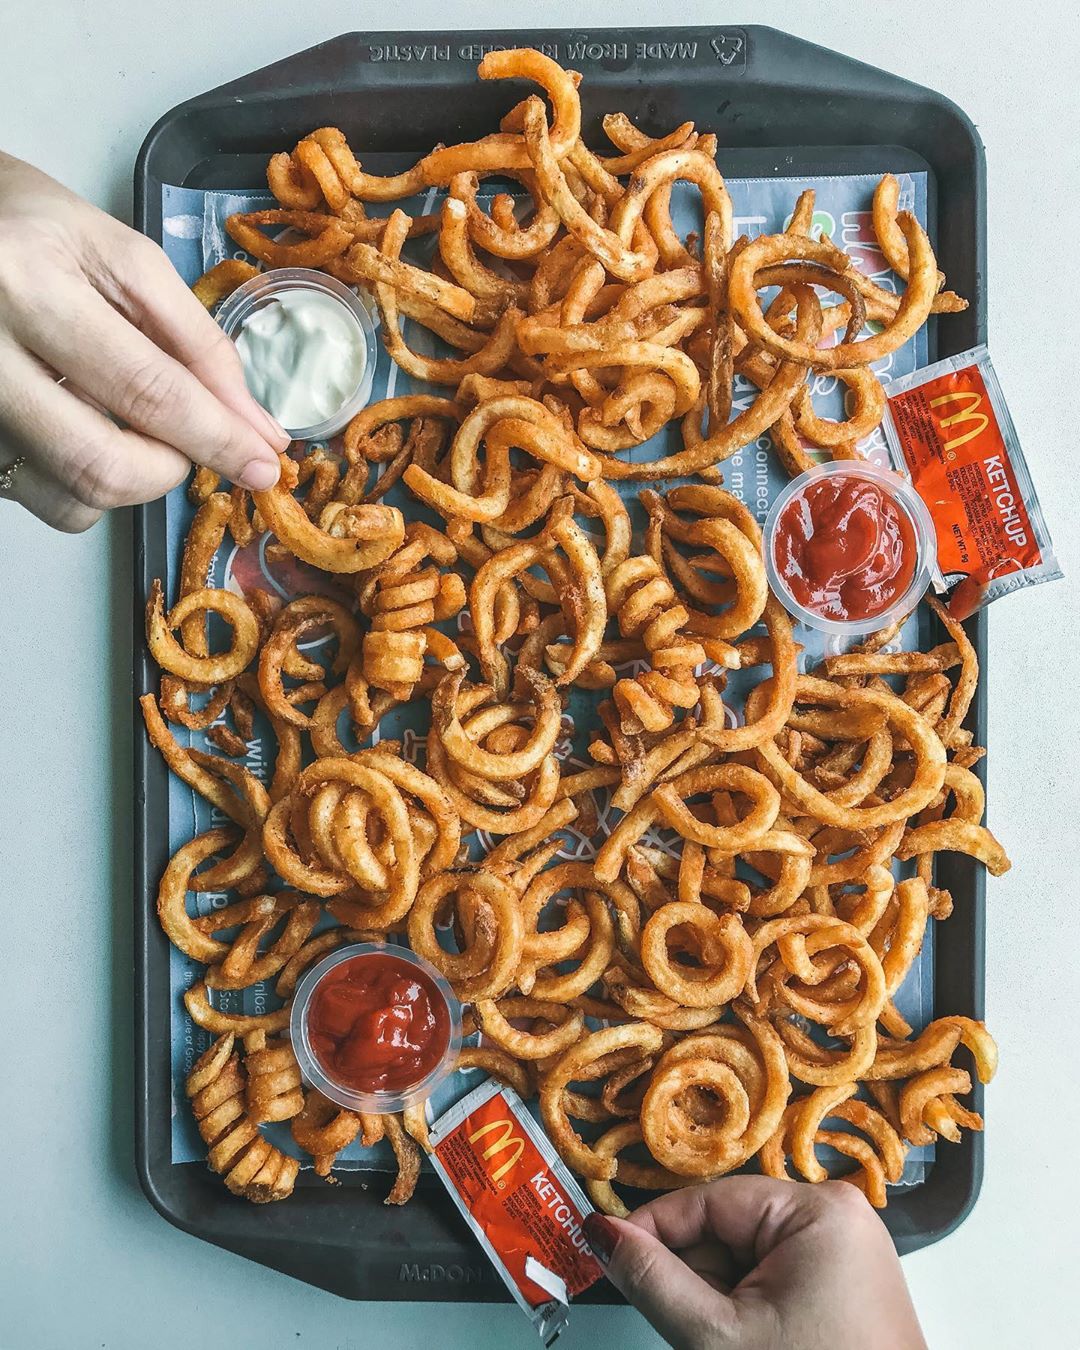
x,y
375,1028
849,547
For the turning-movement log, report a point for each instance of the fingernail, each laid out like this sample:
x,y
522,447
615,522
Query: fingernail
x,y
259,474
601,1235
281,436
276,432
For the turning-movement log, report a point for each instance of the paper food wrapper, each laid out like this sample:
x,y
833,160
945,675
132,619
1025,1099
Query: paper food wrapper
x,y
194,238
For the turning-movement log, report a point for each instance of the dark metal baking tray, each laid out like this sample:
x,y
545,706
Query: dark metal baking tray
x,y
779,106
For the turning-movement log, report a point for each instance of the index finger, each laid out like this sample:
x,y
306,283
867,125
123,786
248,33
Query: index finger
x,y
126,372
154,296
746,1213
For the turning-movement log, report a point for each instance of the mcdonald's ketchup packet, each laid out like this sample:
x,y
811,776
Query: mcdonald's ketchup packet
x,y
950,432
516,1195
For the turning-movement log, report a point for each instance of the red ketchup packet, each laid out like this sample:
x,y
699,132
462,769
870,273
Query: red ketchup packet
x,y
516,1195
950,432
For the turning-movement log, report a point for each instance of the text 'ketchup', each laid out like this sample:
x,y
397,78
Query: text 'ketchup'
x,y
846,548
378,1024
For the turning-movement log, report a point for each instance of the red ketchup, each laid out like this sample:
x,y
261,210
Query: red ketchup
x,y
845,548
378,1024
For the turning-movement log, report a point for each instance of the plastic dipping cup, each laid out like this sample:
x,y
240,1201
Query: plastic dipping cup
x,y
268,286
321,1075
909,503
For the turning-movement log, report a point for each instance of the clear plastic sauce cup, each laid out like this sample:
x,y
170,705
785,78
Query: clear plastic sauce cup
x,y
916,528
347,1033
302,347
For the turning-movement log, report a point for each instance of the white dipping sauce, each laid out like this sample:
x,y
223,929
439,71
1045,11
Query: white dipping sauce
x,y
303,355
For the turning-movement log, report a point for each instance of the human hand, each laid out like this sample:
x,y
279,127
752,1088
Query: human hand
x,y
749,1263
85,298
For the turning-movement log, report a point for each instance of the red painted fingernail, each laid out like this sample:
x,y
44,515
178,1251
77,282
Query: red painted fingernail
x,y
259,474
601,1235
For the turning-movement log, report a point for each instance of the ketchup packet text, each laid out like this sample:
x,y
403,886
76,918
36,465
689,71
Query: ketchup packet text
x,y
516,1195
950,432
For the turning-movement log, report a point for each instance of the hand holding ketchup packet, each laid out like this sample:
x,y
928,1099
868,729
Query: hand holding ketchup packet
x,y
949,431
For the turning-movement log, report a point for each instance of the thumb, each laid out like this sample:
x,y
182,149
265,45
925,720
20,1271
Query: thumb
x,y
687,1311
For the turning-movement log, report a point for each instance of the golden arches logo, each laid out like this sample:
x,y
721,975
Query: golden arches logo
x,y
507,1139
969,413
